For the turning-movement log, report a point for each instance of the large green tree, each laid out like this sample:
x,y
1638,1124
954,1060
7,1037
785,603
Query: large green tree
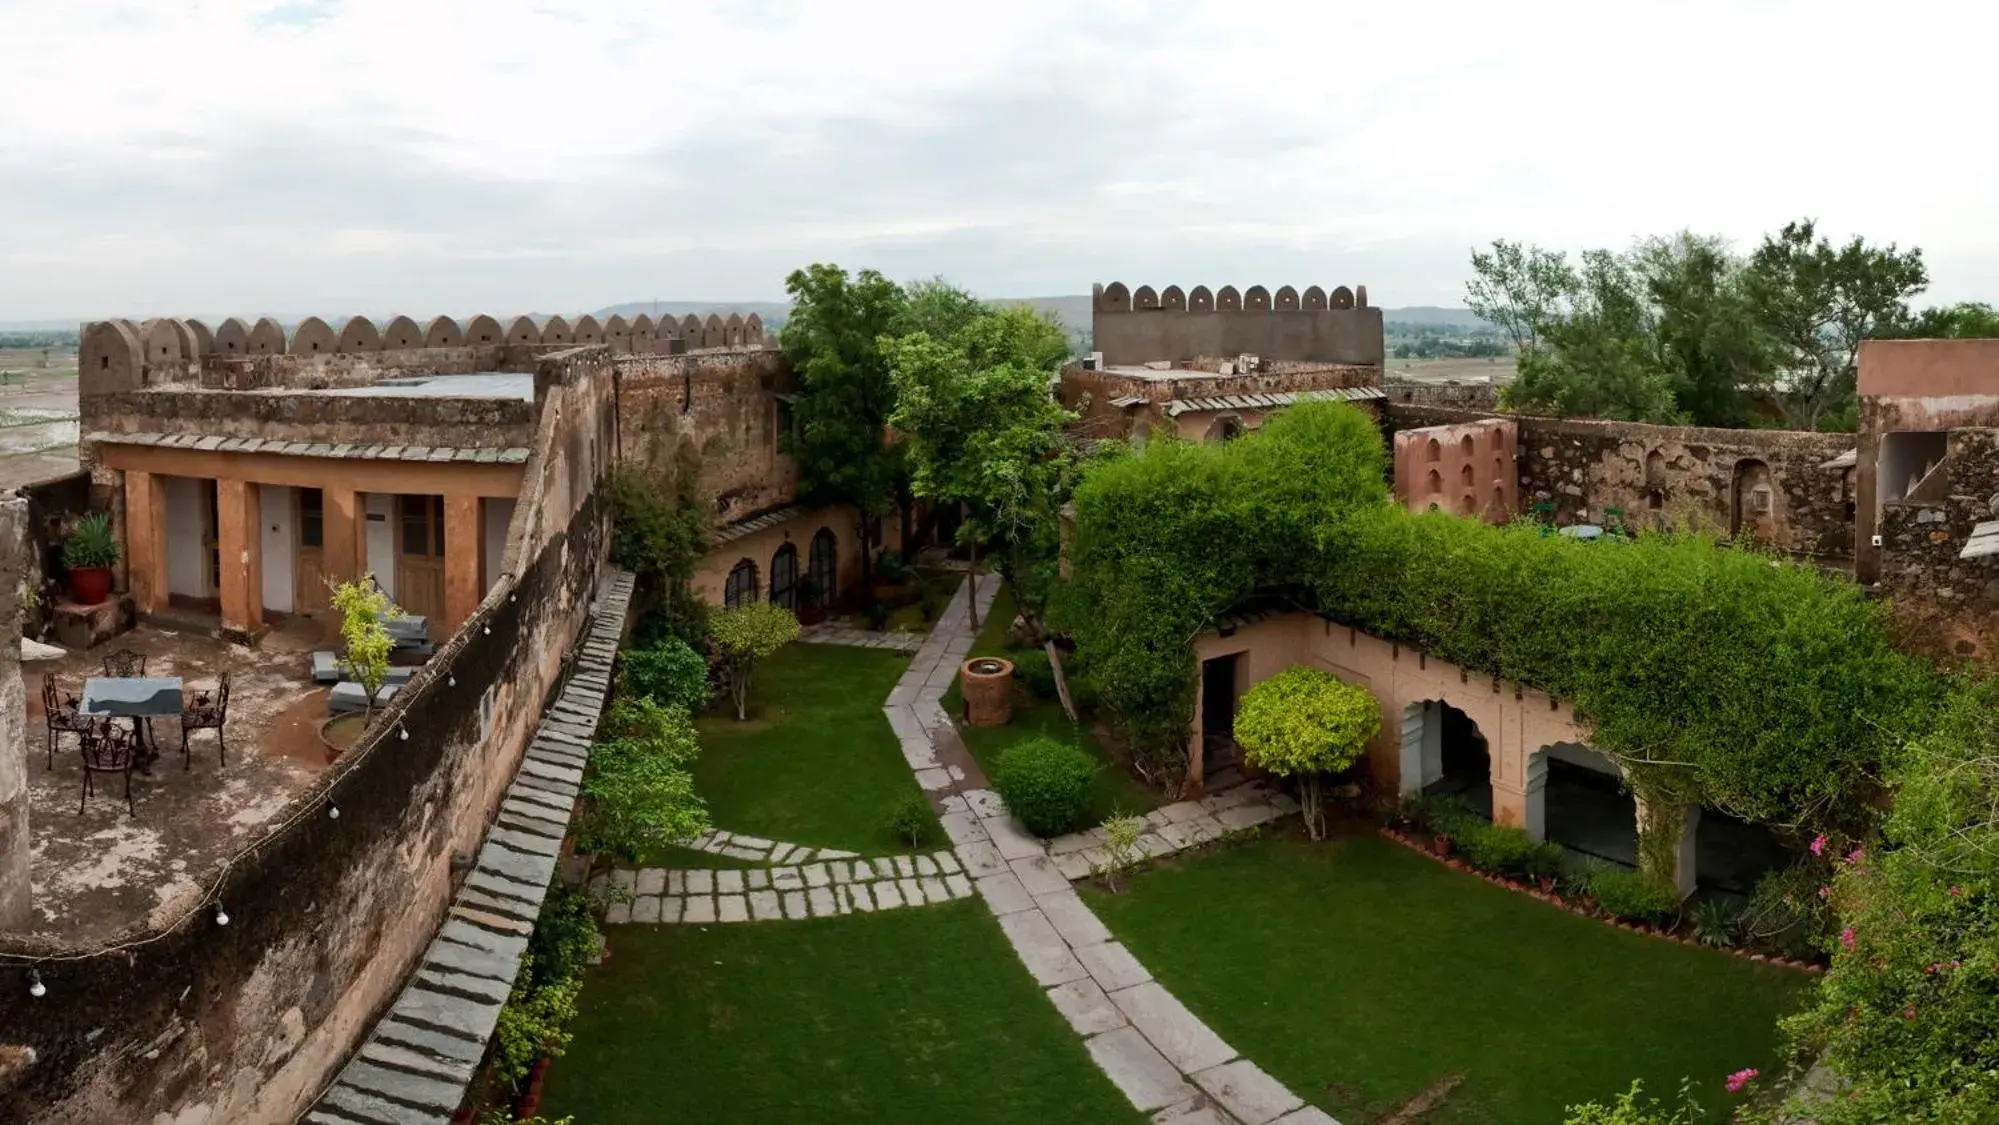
x,y
981,429
1591,350
1819,301
1966,320
834,338
1705,334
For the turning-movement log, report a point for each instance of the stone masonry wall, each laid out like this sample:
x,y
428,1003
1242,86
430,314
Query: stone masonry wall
x,y
1920,541
473,423
1089,393
1460,396
14,840
201,1024
725,405
1682,474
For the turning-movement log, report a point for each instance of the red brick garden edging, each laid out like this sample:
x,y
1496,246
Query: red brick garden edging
x,y
1558,901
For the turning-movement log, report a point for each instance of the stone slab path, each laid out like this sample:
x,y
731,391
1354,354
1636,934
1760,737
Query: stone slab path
x,y
810,890
832,633
1164,1059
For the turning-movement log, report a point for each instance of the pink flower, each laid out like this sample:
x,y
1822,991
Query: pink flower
x,y
1854,855
1741,1078
1957,890
1825,892
1909,1013
1846,937
1818,844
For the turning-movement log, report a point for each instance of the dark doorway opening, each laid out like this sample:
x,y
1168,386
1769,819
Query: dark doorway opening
x,y
1466,760
1218,682
1590,814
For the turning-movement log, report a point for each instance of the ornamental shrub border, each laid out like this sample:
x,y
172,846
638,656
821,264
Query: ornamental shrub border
x,y
1713,673
1579,910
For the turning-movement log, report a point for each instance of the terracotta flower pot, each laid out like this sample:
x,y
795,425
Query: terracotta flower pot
x,y
90,585
987,685
1441,845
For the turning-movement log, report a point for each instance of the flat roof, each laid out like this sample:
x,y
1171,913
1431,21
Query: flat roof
x,y
482,384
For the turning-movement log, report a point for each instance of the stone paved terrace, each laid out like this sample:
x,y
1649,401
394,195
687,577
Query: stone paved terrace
x,y
842,633
102,872
417,1061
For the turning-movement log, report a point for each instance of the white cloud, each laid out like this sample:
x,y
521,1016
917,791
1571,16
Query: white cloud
x,y
246,156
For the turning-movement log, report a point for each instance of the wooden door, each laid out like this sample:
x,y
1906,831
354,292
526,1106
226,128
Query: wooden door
x,y
211,541
309,592
420,558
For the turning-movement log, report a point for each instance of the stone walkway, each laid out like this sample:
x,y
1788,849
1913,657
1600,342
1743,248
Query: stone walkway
x,y
834,633
1164,1059
810,890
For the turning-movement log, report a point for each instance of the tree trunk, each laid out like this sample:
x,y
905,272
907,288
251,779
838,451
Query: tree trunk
x,y
1308,790
1061,681
739,689
867,557
972,589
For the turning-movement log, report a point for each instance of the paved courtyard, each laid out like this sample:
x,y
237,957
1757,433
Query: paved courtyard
x,y
103,872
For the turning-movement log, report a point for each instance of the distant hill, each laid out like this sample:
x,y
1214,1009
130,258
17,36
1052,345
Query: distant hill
x,y
1432,314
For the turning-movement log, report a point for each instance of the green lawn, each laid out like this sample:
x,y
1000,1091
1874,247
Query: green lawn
x,y
920,1015
817,763
1359,974
1114,790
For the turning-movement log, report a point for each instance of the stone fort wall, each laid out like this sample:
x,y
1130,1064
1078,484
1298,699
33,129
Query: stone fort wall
x,y
1770,484
194,1022
1147,326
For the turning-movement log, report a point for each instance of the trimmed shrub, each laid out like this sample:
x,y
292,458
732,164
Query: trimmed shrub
x,y
669,673
1303,723
911,821
1045,783
1633,895
1506,850
1035,673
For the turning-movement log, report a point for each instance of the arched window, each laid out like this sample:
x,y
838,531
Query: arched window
x,y
1435,451
1465,473
1466,447
822,568
742,587
1436,482
784,577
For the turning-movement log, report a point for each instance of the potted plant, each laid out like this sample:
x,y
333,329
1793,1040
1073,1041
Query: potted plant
x,y
89,555
1441,843
810,611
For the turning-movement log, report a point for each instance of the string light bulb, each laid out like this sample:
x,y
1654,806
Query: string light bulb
x,y
403,733
36,988
221,915
333,812
486,629
451,681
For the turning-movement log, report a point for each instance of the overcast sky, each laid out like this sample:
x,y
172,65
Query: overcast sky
x,y
206,157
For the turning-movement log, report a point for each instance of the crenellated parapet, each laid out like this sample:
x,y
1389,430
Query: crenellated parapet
x,y
167,340
123,354
1149,325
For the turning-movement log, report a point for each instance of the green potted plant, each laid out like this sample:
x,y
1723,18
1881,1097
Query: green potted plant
x,y
89,555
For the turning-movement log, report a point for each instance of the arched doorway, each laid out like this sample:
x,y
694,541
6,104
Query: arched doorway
x,y
784,577
741,588
1732,854
1586,808
822,568
1753,511
1445,754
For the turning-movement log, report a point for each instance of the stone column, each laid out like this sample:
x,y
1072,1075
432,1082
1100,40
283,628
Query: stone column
x,y
240,549
146,540
1534,803
15,872
344,534
1666,836
463,537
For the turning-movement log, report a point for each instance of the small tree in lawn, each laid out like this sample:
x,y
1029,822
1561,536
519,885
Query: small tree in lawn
x,y
364,609
744,636
1303,723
